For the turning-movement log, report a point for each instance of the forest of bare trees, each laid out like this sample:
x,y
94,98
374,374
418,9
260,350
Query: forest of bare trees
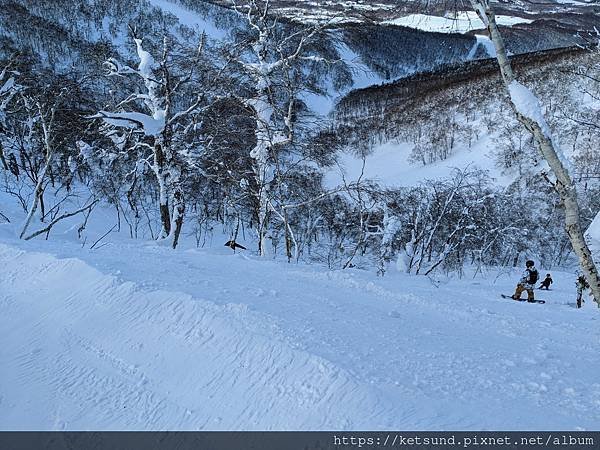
x,y
192,137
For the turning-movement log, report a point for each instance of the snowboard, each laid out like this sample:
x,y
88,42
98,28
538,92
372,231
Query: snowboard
x,y
522,299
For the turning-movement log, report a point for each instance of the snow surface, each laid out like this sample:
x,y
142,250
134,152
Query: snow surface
x,y
136,336
462,22
388,164
486,43
190,18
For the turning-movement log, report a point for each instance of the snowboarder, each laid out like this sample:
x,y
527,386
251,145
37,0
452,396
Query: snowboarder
x,y
547,282
582,285
527,282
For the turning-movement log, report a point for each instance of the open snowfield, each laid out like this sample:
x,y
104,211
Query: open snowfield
x,y
387,164
137,336
460,22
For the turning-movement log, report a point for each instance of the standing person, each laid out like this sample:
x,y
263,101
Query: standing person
x,y
547,282
582,285
527,282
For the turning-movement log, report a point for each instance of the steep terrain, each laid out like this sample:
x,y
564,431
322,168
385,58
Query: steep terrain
x,y
105,331
457,108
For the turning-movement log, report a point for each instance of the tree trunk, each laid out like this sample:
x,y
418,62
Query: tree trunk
x,y
288,236
39,192
163,195
2,158
261,168
260,154
178,211
564,185
262,217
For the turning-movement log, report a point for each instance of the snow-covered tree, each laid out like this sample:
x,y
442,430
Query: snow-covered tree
x,y
166,96
8,90
277,63
390,227
528,111
37,141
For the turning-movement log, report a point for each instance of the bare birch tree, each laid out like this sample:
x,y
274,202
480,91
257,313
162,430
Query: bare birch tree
x,y
9,88
37,145
528,111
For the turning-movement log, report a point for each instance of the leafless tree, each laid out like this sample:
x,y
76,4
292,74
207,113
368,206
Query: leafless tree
x,y
528,111
159,117
268,60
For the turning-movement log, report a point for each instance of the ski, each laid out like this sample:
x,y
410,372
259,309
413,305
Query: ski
x,y
522,299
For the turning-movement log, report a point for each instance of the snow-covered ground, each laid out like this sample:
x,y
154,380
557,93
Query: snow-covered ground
x,y
132,335
460,22
190,18
389,165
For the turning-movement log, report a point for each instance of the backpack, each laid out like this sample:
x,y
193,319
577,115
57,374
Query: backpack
x,y
533,276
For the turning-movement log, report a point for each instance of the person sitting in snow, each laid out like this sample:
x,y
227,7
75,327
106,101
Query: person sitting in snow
x,y
527,282
582,285
546,283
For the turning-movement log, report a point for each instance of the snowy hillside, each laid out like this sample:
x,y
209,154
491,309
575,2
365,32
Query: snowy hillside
x,y
379,122
361,11
299,215
107,339
391,40
458,23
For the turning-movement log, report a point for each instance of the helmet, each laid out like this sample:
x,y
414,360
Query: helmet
x,y
530,263
548,275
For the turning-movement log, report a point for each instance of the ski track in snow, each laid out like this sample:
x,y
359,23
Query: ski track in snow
x,y
211,340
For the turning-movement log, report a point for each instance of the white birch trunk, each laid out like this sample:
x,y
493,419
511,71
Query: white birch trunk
x,y
564,185
260,155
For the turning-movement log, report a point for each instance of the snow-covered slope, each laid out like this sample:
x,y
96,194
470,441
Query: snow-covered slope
x,y
461,22
109,339
389,165
103,353
399,125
